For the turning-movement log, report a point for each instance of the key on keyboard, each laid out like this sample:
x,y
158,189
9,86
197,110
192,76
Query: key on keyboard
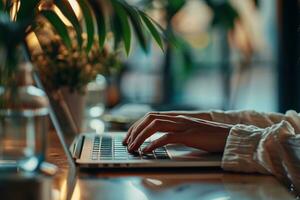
x,y
109,148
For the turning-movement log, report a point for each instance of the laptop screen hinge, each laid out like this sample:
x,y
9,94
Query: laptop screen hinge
x,y
78,147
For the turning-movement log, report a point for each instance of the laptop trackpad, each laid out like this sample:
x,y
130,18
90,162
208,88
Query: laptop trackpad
x,y
180,152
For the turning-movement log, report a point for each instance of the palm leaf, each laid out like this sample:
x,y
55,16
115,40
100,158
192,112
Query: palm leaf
x,y
137,25
155,34
224,14
59,26
167,35
100,20
89,23
27,9
117,30
65,7
7,5
174,6
123,18
1,5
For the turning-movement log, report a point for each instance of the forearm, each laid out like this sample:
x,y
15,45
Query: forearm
x,y
227,117
248,117
205,115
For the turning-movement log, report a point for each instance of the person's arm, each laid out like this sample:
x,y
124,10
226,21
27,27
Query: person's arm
x,y
272,150
173,122
205,115
192,132
249,117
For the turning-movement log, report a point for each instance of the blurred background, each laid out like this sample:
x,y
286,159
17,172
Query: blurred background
x,y
228,55
223,54
227,64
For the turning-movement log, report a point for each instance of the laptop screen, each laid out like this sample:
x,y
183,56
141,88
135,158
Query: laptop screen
x,y
65,131
65,140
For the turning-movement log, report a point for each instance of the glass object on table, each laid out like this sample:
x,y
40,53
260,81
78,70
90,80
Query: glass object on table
x,y
23,123
95,105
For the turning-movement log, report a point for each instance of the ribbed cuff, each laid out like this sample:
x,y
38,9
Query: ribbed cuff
x,y
240,148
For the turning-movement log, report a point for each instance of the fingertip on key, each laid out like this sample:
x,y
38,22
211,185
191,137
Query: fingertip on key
x,y
146,150
130,148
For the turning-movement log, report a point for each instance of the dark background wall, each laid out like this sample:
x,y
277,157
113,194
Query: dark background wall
x,y
288,55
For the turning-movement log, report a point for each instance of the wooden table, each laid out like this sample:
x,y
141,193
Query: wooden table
x,y
182,185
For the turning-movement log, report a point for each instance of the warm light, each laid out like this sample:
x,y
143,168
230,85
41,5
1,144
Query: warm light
x,y
76,193
76,9
33,42
15,8
63,192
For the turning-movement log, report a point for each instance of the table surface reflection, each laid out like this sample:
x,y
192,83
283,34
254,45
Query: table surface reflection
x,y
200,184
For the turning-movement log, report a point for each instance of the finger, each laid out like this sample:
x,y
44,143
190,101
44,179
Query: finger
x,y
134,127
149,119
143,123
130,130
168,138
152,128
128,137
125,140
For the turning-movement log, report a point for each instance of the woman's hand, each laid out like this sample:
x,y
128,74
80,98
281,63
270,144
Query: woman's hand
x,y
193,132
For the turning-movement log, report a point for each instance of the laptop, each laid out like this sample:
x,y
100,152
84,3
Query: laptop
x,y
107,151
92,150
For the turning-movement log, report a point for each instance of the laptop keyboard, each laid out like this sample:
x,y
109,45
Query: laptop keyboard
x,y
111,148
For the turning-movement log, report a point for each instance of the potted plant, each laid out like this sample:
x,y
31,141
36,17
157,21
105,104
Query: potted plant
x,y
18,19
67,73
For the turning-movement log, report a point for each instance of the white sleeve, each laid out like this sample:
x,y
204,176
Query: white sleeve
x,y
272,150
248,117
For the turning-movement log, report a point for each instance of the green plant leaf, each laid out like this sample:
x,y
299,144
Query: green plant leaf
x,y
154,32
173,6
224,14
65,7
123,18
168,35
137,25
117,30
12,33
100,20
1,5
89,23
59,26
27,9
7,5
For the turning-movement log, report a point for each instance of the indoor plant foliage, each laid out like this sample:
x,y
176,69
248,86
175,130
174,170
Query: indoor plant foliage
x,y
19,18
60,67
65,73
